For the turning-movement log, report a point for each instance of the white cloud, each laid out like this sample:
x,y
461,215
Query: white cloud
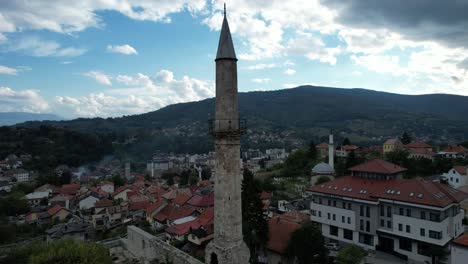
x,y
290,72
41,48
124,49
261,80
8,70
21,101
140,93
380,63
99,77
261,66
74,16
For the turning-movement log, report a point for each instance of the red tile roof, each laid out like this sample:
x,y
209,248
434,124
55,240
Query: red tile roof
x,y
460,169
199,200
421,151
181,199
461,240
265,195
280,233
154,206
61,198
140,205
157,191
104,203
349,147
70,189
378,166
455,148
322,146
136,197
54,210
171,213
205,219
418,190
418,144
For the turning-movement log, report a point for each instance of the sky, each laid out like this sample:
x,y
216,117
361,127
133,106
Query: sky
x,y
108,58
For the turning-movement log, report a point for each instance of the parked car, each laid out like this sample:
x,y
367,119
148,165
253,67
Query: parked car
x,y
332,246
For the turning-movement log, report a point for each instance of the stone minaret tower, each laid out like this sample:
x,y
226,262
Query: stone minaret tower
x,y
228,245
331,151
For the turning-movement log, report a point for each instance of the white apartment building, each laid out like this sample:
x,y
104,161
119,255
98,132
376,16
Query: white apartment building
x,y
457,176
375,209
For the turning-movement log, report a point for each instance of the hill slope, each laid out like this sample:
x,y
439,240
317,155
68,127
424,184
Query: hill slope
x,y
289,118
11,118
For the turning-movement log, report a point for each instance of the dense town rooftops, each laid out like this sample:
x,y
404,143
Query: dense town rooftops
x,y
322,146
378,166
283,228
418,190
54,210
455,149
349,147
104,203
200,200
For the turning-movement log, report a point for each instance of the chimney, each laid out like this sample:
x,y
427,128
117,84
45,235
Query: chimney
x,y
331,151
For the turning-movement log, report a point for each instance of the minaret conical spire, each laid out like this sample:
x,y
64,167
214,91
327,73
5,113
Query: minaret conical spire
x,y
225,46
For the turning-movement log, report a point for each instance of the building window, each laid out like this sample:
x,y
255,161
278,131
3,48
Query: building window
x,y
389,224
382,222
361,224
456,180
344,205
348,234
329,202
349,220
313,212
366,239
405,244
423,232
320,213
333,230
334,217
389,211
367,211
328,216
382,210
408,212
320,200
342,219
400,227
334,203
423,215
408,229
361,210
367,226
402,211
349,206
434,217
435,234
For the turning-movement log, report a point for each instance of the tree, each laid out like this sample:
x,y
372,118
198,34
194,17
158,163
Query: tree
x,y
399,157
118,180
346,141
312,151
405,138
306,245
322,179
206,173
60,251
254,223
351,254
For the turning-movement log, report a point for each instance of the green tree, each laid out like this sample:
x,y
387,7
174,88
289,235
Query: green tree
x,y
399,157
322,179
306,245
118,180
254,223
346,141
206,173
312,151
351,254
405,138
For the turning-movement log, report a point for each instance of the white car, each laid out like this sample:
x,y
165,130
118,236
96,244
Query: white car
x,y
332,246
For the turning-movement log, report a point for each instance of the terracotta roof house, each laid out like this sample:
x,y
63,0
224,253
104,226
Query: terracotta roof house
x,y
71,189
453,152
180,231
201,201
58,212
104,203
377,168
457,176
280,233
181,199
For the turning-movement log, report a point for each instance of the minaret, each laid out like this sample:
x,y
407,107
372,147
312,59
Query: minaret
x,y
227,246
331,151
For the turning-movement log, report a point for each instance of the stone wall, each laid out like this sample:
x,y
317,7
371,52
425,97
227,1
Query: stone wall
x,y
149,248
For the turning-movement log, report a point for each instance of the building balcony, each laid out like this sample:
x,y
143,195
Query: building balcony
x,y
227,127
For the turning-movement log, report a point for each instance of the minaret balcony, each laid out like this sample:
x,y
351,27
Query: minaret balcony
x,y
227,127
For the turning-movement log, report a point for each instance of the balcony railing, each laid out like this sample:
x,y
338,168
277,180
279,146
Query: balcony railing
x,y
227,127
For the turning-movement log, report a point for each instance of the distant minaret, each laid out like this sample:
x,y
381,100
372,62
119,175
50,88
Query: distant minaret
x,y
227,246
331,151
127,170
